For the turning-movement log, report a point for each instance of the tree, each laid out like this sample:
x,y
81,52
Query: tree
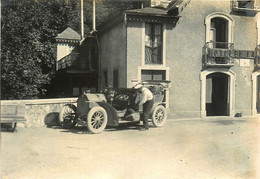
x,y
29,28
28,45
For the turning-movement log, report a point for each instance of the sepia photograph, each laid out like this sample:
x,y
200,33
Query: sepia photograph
x,y
130,89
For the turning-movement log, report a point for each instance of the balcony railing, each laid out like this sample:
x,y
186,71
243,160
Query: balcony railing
x,y
153,53
245,5
218,54
68,60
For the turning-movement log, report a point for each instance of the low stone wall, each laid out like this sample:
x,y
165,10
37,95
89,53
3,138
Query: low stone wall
x,y
36,111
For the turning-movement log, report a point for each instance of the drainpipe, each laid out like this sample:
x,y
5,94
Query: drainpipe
x,y
94,31
82,21
94,15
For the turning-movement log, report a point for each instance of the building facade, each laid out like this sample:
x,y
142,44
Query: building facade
x,y
76,64
207,49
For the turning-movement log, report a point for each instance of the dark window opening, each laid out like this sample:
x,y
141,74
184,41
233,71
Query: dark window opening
x,y
219,30
115,79
105,78
153,75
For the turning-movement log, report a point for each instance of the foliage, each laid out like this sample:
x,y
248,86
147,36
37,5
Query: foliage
x,y
28,51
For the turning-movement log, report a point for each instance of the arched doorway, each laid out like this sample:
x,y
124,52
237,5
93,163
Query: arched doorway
x,y
256,93
217,94
217,83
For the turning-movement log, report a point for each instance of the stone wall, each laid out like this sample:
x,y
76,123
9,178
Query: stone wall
x,y
37,111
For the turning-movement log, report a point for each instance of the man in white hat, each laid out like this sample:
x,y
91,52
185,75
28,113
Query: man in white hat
x,y
147,102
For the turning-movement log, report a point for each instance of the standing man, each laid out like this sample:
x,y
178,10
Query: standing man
x,y
147,102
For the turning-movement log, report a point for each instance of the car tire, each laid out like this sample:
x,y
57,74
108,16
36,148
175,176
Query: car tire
x,y
159,116
97,120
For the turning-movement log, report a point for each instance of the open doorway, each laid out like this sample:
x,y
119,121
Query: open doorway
x,y
217,94
258,95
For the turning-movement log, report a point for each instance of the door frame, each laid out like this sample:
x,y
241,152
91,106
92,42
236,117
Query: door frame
x,y
231,83
254,91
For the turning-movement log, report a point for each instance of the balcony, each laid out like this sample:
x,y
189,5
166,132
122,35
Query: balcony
x,y
153,53
245,5
218,54
67,61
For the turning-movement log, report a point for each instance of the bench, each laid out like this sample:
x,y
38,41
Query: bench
x,y
11,114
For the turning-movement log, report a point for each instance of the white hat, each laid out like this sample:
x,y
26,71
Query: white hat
x,y
138,86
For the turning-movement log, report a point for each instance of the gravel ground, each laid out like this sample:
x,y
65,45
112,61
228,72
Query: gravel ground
x,y
220,148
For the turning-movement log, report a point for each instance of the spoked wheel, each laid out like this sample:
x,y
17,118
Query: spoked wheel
x,y
159,116
67,116
97,119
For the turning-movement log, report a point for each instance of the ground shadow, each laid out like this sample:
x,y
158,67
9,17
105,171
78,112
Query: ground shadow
x,y
227,122
8,127
83,129
124,126
76,130
52,119
79,129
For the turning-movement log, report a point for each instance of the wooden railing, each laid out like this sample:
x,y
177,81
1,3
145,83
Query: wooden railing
x,y
68,60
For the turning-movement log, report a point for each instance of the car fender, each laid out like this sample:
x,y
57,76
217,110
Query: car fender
x,y
154,106
111,113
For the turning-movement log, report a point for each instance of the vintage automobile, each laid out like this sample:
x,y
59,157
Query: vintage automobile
x,y
112,106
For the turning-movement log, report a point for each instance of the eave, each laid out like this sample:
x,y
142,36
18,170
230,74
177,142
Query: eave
x,y
155,18
67,40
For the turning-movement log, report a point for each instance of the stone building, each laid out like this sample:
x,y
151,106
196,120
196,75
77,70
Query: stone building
x,y
207,49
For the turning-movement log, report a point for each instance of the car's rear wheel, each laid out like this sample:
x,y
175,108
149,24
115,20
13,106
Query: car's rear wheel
x,y
67,116
97,119
159,116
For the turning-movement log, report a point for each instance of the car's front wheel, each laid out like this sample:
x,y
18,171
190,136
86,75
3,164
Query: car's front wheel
x,y
97,119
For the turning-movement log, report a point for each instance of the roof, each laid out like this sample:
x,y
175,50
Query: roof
x,y
152,15
69,34
175,3
176,6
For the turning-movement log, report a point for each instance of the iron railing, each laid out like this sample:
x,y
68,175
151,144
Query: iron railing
x,y
218,54
242,5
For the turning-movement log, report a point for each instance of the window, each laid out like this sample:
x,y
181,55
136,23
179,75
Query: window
x,y
153,43
219,35
219,27
246,5
153,75
115,79
75,91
